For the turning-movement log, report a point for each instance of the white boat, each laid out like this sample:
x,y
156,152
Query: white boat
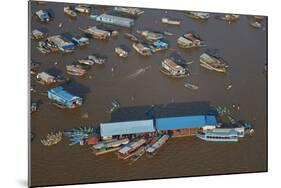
x,y
121,52
171,22
191,86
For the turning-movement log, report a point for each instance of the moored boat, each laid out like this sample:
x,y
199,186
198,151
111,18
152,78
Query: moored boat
x,y
130,149
76,70
191,86
170,68
256,25
96,60
68,10
170,21
121,52
150,151
189,40
212,63
142,49
219,136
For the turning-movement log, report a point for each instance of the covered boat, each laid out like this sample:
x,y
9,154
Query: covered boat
x,y
155,147
212,63
76,70
170,68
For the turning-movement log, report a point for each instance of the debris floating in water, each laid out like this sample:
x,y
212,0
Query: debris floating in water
x,y
60,25
229,86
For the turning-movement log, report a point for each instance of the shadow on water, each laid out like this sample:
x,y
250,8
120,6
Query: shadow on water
x,y
161,110
76,88
54,71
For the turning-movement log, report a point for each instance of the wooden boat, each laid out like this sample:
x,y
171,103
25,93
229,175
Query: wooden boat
x,y
158,144
131,37
142,49
138,154
212,63
198,15
86,9
97,33
68,11
171,22
256,25
228,17
76,70
170,68
191,86
130,149
86,62
190,40
105,151
96,60
121,52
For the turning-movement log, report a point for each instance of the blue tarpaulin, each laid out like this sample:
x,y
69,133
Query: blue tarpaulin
x,y
183,122
127,127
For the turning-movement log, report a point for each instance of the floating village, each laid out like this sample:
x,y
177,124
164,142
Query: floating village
x,y
130,140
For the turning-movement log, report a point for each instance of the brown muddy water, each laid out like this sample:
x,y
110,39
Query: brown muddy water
x,y
245,50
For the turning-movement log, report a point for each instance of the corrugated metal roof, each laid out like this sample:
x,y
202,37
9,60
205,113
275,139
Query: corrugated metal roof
x,y
184,122
127,127
60,92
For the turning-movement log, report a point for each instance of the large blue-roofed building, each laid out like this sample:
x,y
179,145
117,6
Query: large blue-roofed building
x,y
126,128
185,125
176,126
184,122
64,98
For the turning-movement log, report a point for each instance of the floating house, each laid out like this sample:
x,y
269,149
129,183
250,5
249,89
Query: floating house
x,y
185,125
64,99
211,62
46,78
60,43
115,20
130,11
142,49
97,33
107,130
170,68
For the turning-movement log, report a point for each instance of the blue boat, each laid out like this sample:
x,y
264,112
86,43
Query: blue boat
x,y
219,136
63,98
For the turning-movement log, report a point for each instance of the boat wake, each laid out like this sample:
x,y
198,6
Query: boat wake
x,y
138,72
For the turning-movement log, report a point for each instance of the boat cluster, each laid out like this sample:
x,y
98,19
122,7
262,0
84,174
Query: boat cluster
x,y
52,139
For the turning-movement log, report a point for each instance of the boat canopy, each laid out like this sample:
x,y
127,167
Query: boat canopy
x,y
184,122
127,127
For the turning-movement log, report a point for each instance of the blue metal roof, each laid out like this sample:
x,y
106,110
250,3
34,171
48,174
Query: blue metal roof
x,y
60,92
183,122
127,127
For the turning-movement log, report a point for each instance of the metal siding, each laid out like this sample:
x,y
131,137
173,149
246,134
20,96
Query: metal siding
x,y
129,127
211,120
180,122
